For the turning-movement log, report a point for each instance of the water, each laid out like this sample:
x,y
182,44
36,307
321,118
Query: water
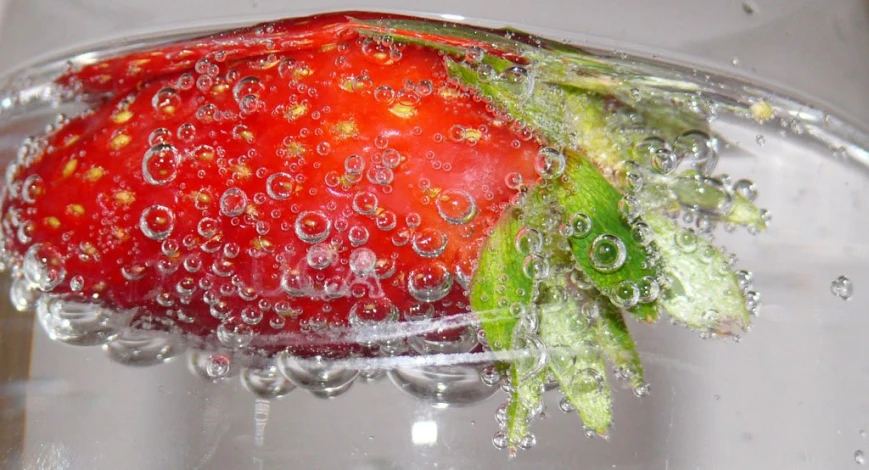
x,y
790,394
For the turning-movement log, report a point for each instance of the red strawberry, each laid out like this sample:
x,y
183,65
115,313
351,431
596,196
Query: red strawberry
x,y
291,178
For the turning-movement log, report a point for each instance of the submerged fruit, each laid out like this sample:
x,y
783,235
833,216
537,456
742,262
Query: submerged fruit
x,y
364,185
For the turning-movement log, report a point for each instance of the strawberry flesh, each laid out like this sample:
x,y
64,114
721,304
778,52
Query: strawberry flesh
x,y
280,183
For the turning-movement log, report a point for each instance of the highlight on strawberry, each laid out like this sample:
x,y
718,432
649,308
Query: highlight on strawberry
x,y
358,186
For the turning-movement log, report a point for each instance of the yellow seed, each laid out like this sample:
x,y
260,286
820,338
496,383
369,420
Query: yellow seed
x,y
402,110
124,198
69,168
104,78
120,141
347,84
345,129
205,155
241,171
120,233
99,286
262,244
89,249
472,135
168,109
94,174
203,197
251,210
219,88
246,135
52,222
122,116
75,209
761,111
302,72
296,149
296,112
70,139
448,93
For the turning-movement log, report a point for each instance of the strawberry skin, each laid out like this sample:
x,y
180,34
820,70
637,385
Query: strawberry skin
x,y
268,192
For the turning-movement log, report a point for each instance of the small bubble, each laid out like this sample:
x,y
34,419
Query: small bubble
x,y
626,294
43,267
760,139
499,440
429,242
581,224
321,256
357,235
746,189
217,366
749,7
157,222
363,261
365,203
699,149
842,287
312,226
279,186
166,100
859,457
386,220
457,207
160,164
535,267
233,202
528,241
429,282
550,163
607,253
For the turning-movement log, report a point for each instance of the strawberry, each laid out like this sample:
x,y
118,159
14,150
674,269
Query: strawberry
x,y
252,194
307,185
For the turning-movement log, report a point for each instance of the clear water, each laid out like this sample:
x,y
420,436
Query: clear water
x,y
790,394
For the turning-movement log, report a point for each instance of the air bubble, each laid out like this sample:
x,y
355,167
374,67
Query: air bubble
x,y
429,282
626,294
33,187
279,186
842,287
535,267
365,203
157,222
746,189
79,323
321,256
43,267
699,149
457,207
160,164
140,348
581,224
234,335
709,196
266,382
550,163
607,253
312,226
233,202
429,242
166,100
362,261
528,241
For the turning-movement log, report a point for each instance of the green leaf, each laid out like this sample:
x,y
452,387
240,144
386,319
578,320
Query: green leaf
x,y
613,337
574,360
605,248
499,284
703,291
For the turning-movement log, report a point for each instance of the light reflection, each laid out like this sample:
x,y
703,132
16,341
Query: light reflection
x,y
424,433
